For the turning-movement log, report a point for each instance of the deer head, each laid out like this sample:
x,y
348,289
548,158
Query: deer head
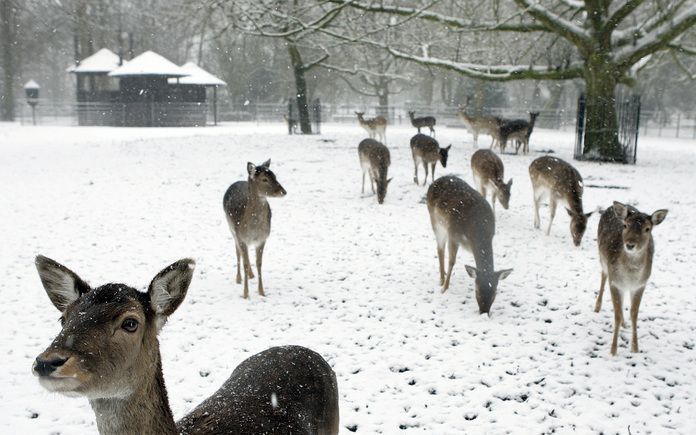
x,y
504,190
382,185
578,225
264,180
637,226
486,286
107,346
444,152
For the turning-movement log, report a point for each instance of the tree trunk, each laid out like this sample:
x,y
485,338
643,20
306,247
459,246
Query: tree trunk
x,y
383,98
301,88
601,126
7,103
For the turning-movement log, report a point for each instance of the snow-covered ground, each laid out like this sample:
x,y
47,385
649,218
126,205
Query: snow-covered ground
x,y
354,280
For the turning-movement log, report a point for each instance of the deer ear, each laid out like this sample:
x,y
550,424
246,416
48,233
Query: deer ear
x,y
448,147
471,270
251,168
570,212
389,180
509,183
621,210
168,289
658,216
62,285
502,274
266,164
587,215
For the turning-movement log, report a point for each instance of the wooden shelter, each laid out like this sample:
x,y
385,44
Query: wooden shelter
x,y
96,91
193,88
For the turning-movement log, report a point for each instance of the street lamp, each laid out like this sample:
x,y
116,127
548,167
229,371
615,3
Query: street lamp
x,y
31,88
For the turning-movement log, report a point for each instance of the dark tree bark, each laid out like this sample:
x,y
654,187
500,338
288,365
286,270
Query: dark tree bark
x,y
299,69
7,21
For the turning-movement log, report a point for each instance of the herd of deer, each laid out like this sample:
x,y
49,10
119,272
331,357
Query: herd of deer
x,y
108,351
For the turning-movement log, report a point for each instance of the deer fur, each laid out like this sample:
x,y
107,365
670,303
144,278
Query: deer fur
x,y
519,130
488,172
376,127
426,151
561,183
375,161
425,121
626,250
108,352
249,217
460,216
485,124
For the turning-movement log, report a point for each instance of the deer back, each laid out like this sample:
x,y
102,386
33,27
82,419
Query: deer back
x,y
425,147
487,166
376,155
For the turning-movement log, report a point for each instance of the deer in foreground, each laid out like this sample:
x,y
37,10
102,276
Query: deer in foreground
x,y
376,127
426,151
425,121
485,124
460,216
249,217
626,250
519,130
108,352
488,171
375,161
561,183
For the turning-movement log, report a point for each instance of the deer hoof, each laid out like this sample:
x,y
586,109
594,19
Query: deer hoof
x,y
597,307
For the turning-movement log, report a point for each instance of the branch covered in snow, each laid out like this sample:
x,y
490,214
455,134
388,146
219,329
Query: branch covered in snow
x,y
570,31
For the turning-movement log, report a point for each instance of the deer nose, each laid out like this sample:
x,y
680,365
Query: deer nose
x,y
630,246
46,366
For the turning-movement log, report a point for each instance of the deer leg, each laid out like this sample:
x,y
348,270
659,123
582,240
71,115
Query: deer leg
x,y
363,183
372,181
247,269
432,132
259,261
452,251
635,305
618,316
537,220
494,197
239,254
598,303
432,171
552,214
475,134
425,165
415,175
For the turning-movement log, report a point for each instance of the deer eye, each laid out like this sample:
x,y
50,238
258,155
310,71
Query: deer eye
x,y
130,325
625,226
647,229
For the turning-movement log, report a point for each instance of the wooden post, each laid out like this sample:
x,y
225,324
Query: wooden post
x,y
214,105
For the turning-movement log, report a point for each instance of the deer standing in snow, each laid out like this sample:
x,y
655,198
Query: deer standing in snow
x,y
561,183
485,124
249,217
375,161
108,352
376,127
426,151
519,130
460,216
626,250
488,171
425,121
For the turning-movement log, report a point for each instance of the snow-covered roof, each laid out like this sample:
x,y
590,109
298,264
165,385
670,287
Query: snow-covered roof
x,y
103,61
31,84
198,76
149,64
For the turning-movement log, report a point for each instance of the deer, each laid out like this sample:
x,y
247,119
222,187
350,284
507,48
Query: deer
x,y
376,127
626,250
561,183
248,216
425,121
108,352
375,161
292,124
488,171
426,151
482,124
519,130
460,216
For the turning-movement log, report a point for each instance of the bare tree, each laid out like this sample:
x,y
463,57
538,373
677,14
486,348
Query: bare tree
x,y
8,18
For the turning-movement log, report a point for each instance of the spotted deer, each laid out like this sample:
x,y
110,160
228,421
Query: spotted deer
x,y
486,124
425,121
519,130
561,183
249,217
460,216
426,151
108,352
376,127
488,171
626,250
375,161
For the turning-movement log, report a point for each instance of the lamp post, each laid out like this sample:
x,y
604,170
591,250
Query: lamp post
x,y
31,89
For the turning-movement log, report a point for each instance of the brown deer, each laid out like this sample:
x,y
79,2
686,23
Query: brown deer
x,y
626,250
108,352
426,151
460,216
519,130
376,127
375,161
488,171
425,121
561,183
485,124
249,217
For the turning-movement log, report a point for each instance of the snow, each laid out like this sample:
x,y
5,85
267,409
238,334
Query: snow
x,y
103,61
197,76
149,64
31,84
351,279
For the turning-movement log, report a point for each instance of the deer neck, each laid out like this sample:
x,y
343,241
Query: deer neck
x,y
483,255
255,197
145,411
574,201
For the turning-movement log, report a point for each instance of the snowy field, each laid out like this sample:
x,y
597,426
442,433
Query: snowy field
x,y
353,280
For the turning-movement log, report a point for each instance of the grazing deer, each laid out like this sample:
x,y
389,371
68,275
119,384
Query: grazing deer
x,y
626,251
488,173
561,183
425,121
460,216
425,150
375,160
292,124
376,127
249,217
519,130
108,352
486,124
